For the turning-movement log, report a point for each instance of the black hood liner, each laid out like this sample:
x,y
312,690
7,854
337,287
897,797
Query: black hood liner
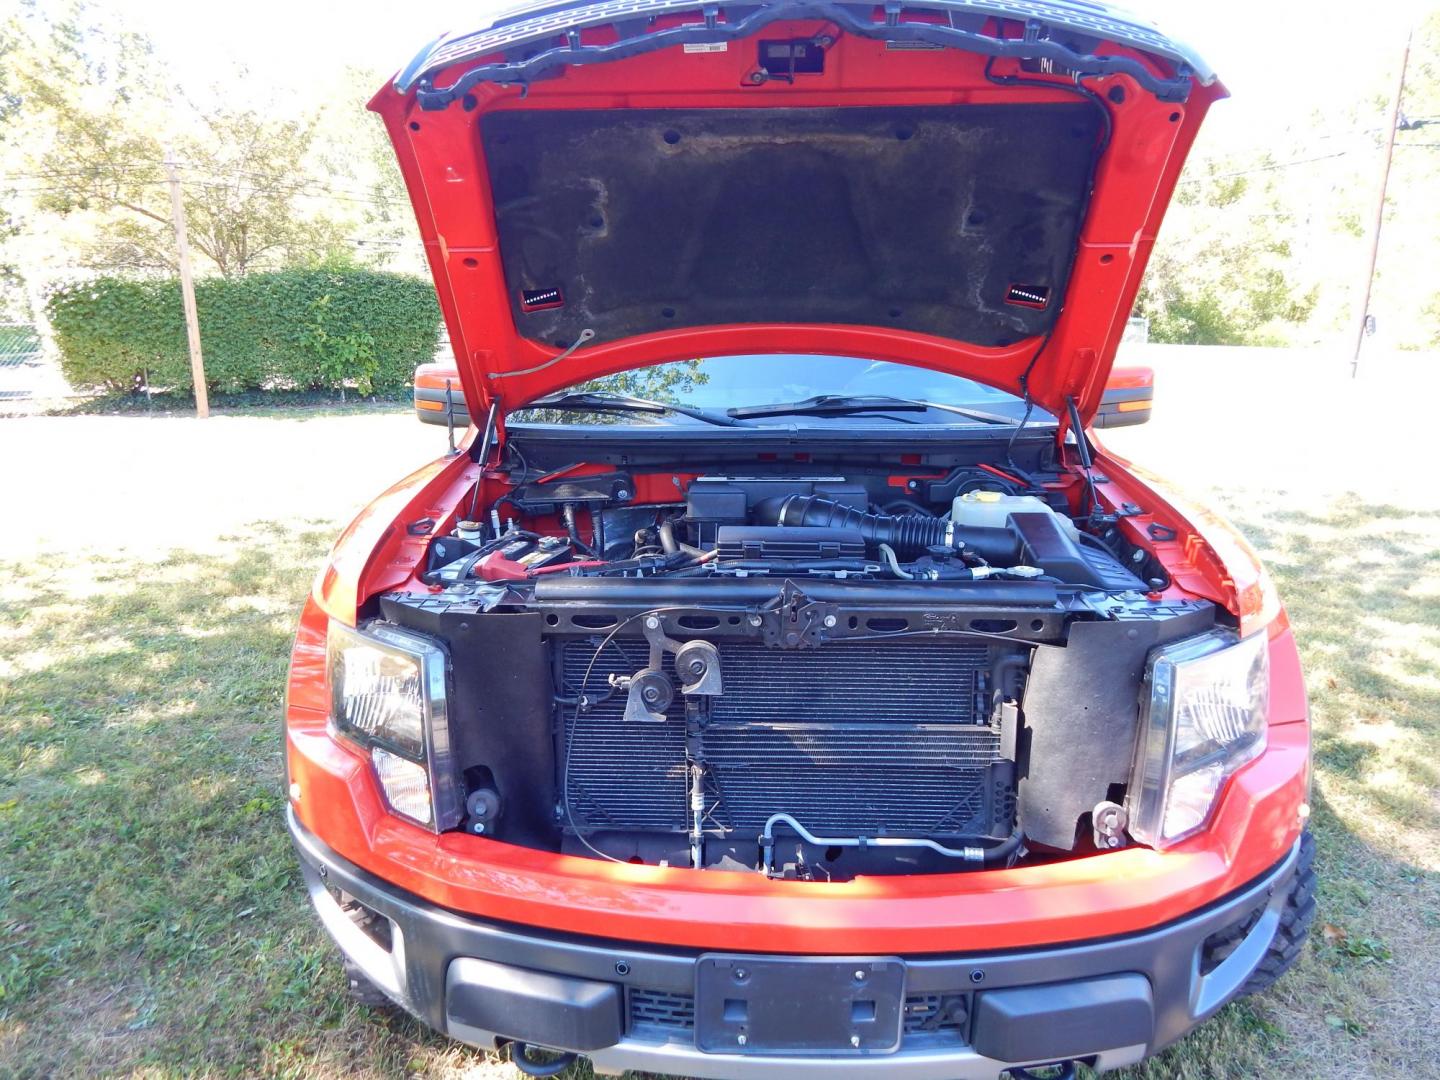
x,y
921,218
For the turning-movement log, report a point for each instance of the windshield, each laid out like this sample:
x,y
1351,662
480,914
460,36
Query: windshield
x,y
730,385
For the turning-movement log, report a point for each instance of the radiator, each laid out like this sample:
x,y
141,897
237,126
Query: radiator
x,y
852,738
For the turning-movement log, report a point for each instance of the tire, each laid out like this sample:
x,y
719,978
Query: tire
x,y
1295,921
363,991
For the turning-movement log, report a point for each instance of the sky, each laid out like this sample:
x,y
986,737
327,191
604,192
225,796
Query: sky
x,y
1280,59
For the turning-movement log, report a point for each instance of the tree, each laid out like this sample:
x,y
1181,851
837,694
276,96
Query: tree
x,y
1228,275
108,117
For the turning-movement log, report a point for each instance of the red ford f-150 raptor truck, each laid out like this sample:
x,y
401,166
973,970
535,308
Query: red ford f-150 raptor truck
x,y
780,678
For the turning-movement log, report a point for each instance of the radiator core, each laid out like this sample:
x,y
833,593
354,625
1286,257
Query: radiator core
x,y
853,738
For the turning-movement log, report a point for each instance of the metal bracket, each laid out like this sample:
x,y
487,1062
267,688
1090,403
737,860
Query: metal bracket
x,y
648,694
1109,820
649,691
793,621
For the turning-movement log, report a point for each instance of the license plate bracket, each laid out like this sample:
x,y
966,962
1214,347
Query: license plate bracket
x,y
798,1005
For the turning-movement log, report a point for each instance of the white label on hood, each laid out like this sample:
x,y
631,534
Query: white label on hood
x,y
706,46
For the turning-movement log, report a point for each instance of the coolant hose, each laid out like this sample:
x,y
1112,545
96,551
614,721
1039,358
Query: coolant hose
x,y
908,535
888,554
981,856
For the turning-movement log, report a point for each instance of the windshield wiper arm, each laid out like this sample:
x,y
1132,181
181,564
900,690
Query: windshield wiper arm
x,y
849,404
831,405
972,414
602,400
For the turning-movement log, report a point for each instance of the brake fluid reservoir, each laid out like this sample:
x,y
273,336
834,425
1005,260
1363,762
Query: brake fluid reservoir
x,y
992,510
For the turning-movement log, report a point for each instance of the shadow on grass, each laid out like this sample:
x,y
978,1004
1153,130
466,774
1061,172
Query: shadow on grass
x,y
152,918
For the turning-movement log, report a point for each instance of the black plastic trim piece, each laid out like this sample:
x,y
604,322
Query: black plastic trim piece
x,y
1036,45
1056,1021
533,1006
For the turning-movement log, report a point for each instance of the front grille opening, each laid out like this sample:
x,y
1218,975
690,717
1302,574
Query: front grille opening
x,y
1216,948
660,1011
666,1013
936,1013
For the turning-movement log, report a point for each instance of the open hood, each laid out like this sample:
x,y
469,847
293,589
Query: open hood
x,y
969,186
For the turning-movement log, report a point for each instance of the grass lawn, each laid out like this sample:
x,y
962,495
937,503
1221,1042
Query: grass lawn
x,y
152,921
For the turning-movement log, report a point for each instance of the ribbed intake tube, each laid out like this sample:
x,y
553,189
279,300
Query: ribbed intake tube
x,y
910,535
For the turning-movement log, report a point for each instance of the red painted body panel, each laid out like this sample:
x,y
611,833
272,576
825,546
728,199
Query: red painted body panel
x,y
444,168
1257,821
334,793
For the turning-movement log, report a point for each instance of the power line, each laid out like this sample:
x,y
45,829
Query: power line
x,y
291,191
1265,168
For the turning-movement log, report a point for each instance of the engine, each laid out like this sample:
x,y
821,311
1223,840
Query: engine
x,y
808,677
739,526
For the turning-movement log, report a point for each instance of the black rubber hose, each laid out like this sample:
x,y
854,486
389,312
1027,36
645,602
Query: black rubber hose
x,y
1002,851
908,534
518,1058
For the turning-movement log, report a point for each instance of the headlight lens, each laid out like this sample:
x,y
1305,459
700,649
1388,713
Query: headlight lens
x,y
406,785
1203,717
387,694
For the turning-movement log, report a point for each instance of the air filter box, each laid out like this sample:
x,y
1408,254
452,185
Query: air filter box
x,y
791,544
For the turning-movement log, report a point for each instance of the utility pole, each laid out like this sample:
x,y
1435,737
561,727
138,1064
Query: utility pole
x,y
1380,208
187,290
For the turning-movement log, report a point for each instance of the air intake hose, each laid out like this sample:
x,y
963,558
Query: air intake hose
x,y
910,535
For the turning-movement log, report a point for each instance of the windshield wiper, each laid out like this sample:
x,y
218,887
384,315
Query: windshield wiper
x,y
851,404
600,401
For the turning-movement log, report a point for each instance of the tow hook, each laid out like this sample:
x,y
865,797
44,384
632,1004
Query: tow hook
x,y
1066,1071
519,1057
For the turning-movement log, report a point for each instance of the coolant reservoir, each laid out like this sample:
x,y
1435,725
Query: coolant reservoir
x,y
992,510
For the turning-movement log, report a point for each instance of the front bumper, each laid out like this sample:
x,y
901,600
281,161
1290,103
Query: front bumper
x,y
628,1005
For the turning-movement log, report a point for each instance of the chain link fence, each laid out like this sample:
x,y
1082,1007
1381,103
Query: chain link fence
x,y
30,381
19,344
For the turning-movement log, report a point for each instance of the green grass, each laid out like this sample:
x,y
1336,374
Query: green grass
x,y
152,921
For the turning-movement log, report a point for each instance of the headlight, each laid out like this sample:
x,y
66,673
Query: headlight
x,y
1203,716
387,694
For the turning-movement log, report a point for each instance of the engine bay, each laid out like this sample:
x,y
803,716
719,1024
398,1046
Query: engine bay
x,y
802,672
733,526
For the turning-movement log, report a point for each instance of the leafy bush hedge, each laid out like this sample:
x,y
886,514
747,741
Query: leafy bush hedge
x,y
296,329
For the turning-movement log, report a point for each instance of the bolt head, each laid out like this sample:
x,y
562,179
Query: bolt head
x,y
755,620
855,1040
741,1039
830,620
757,77
652,623
860,975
